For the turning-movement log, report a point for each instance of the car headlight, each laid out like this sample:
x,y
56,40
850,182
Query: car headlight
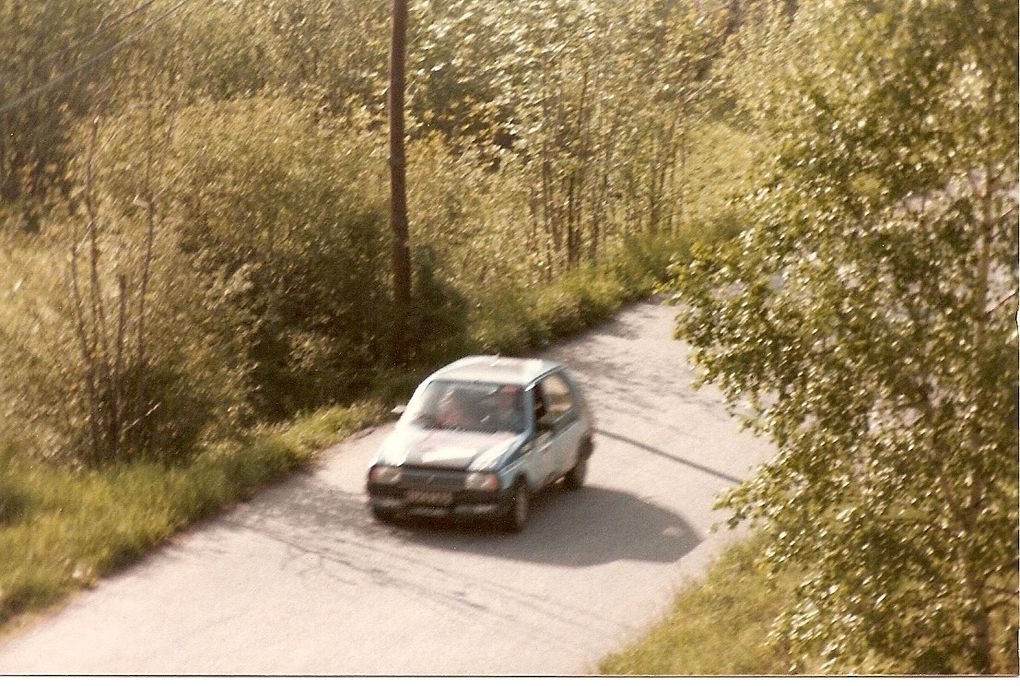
x,y
481,481
384,474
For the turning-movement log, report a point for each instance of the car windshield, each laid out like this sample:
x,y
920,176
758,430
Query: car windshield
x,y
468,406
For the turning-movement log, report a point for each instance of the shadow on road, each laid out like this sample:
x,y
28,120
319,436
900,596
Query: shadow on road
x,y
590,526
620,381
662,453
329,533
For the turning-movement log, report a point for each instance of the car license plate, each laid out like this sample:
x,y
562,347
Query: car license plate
x,y
428,498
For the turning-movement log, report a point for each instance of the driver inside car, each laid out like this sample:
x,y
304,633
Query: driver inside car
x,y
452,414
507,412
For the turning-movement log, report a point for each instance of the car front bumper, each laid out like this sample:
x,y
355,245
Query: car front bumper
x,y
394,499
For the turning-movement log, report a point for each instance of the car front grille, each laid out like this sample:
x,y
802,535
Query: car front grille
x,y
433,479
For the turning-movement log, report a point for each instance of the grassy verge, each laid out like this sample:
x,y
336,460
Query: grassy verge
x,y
716,626
511,321
61,528
720,625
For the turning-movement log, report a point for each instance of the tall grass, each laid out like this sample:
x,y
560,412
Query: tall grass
x,y
716,626
62,528
510,320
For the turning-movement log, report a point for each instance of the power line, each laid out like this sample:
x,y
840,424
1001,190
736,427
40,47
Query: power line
x,y
39,90
100,30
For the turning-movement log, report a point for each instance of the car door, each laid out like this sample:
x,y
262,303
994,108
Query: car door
x,y
563,413
544,457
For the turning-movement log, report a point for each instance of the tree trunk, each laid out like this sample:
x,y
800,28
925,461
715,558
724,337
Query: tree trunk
x,y
398,187
980,618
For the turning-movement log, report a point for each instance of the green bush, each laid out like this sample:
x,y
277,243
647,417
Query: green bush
x,y
191,383
271,207
509,319
278,198
437,322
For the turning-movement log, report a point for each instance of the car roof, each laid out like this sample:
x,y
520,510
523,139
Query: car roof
x,y
496,369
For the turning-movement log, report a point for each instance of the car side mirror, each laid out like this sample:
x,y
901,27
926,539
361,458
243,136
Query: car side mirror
x,y
398,410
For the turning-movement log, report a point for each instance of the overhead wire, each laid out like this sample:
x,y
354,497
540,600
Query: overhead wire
x,y
52,83
103,27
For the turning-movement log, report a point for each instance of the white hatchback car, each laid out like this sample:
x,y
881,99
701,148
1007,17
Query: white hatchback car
x,y
478,437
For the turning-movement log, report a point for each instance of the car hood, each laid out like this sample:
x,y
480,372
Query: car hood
x,y
445,449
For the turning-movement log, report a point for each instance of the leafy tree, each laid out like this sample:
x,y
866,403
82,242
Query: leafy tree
x,y
267,196
110,348
327,52
864,322
542,134
270,208
44,41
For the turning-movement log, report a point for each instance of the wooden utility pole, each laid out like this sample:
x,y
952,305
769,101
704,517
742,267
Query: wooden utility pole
x,y
398,185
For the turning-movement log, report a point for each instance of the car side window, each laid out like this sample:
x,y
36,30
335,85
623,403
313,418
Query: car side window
x,y
558,396
539,404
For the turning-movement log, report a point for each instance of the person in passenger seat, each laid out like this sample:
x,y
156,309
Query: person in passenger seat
x,y
508,412
539,407
452,414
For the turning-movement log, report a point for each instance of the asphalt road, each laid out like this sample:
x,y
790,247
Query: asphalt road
x,y
301,580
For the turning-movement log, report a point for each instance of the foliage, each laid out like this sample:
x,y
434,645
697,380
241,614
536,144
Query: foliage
x,y
328,53
193,382
512,322
192,228
865,322
718,625
271,212
587,109
42,40
268,199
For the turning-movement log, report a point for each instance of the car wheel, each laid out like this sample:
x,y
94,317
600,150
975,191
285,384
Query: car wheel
x,y
517,515
574,479
381,515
